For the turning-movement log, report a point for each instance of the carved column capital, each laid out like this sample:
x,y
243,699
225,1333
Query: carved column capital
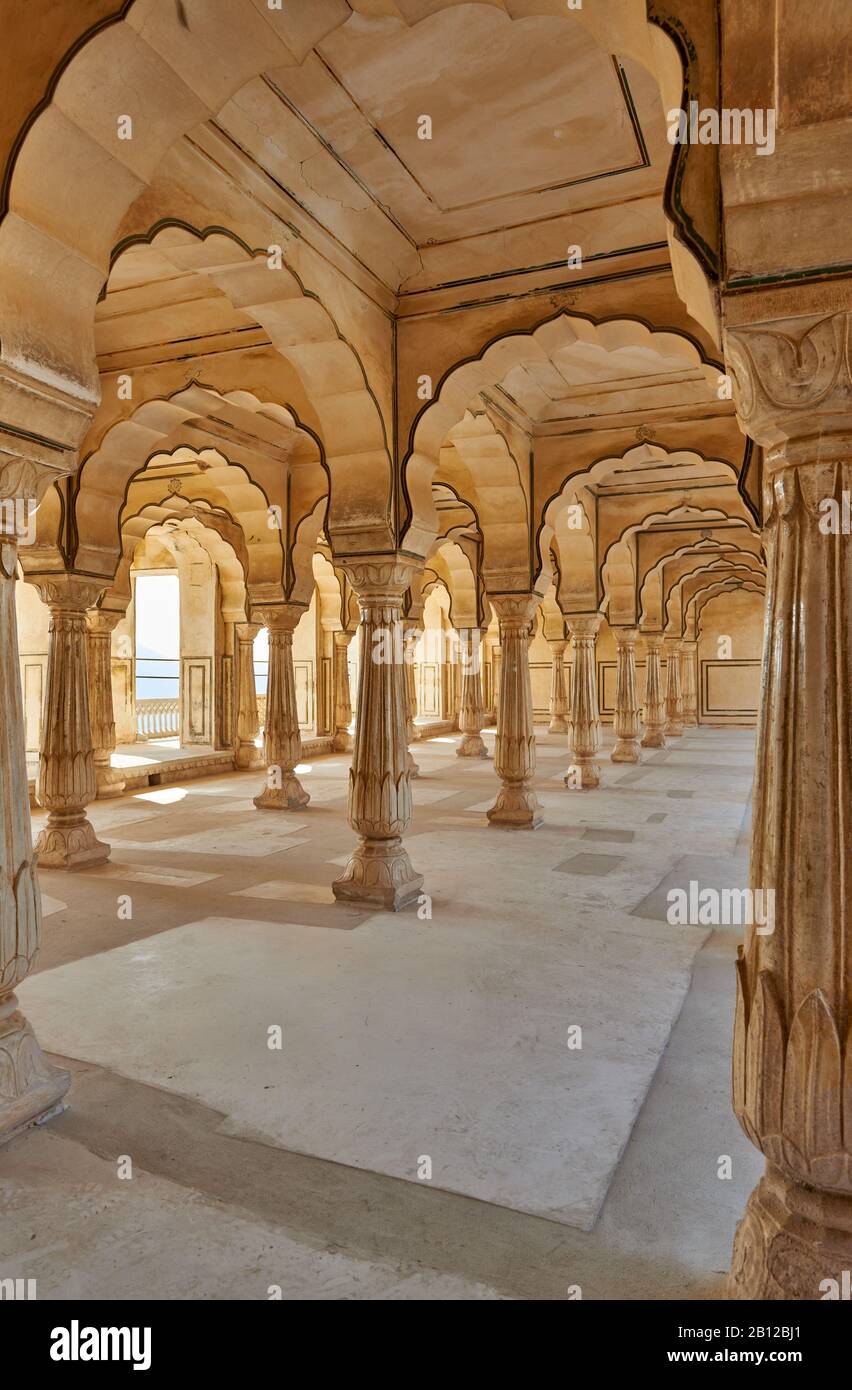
x,y
277,617
68,593
102,622
515,611
584,627
380,578
792,381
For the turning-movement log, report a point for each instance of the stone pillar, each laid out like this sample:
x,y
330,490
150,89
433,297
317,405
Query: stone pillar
x,y
517,805
282,742
248,725
627,724
30,1088
584,773
655,706
471,710
409,628
66,771
496,678
674,700
342,695
558,698
100,624
379,872
689,693
793,1039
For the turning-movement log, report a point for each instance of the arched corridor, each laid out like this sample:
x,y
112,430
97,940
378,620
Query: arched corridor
x,y
425,649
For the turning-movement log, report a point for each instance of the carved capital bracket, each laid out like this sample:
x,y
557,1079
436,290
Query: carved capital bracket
x,y
380,579
792,382
515,610
68,594
282,617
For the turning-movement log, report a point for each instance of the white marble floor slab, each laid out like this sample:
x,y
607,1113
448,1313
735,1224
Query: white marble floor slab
x,y
444,1038
245,840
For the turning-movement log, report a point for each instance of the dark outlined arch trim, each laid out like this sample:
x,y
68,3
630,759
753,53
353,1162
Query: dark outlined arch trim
x,y
710,260
53,81
530,333
74,539
163,223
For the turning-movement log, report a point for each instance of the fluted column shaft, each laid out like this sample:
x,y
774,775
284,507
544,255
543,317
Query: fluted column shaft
x,y
793,1029
411,630
496,677
246,754
558,697
689,691
342,694
282,741
655,705
627,724
584,773
66,770
471,709
674,699
516,806
100,625
29,1086
379,872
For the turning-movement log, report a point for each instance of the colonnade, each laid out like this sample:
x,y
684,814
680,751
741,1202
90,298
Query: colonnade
x,y
78,732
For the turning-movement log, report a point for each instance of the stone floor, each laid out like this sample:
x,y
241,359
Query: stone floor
x,y
165,975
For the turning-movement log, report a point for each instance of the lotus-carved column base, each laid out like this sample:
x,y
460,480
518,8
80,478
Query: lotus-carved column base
x,y
110,782
31,1089
472,746
790,1240
379,872
289,796
517,807
626,750
583,776
68,841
